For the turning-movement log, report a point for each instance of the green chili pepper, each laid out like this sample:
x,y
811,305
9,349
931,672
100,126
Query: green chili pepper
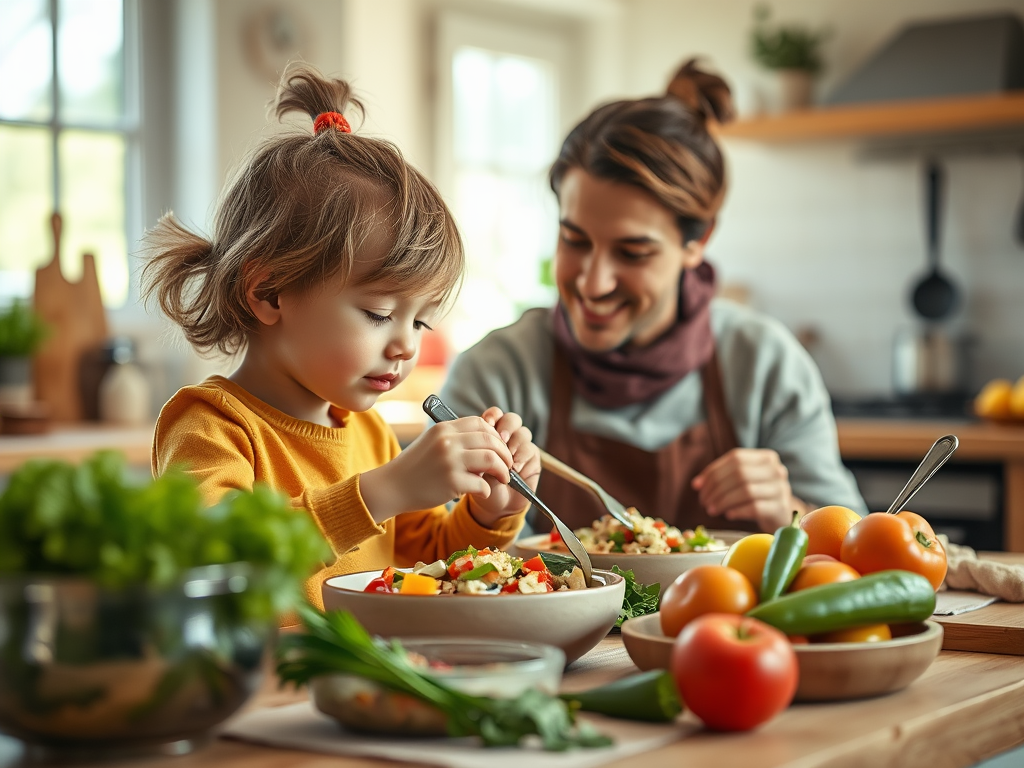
x,y
650,696
885,597
784,559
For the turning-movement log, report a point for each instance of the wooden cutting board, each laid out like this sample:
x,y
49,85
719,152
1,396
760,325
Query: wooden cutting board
x,y
996,628
78,324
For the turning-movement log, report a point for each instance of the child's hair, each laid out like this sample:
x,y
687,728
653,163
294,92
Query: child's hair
x,y
297,214
660,144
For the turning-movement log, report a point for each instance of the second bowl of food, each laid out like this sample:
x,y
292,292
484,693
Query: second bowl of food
x,y
654,551
483,594
499,669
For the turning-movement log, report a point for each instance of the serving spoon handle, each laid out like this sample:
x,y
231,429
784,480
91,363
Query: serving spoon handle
x,y
438,411
937,455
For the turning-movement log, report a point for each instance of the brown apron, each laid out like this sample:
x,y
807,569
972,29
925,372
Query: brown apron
x,y
657,483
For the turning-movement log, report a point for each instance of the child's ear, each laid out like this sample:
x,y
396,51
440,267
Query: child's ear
x,y
262,303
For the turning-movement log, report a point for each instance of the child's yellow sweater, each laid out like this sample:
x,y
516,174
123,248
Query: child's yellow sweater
x,y
228,439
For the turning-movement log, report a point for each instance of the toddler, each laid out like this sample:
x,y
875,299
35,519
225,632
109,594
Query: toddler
x,y
330,258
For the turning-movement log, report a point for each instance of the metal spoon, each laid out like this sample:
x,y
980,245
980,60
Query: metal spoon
x,y
613,506
937,455
439,412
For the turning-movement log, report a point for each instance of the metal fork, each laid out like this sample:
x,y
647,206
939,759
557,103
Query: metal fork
x,y
614,507
439,412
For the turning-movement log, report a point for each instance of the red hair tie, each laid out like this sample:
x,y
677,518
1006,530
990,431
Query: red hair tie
x,y
331,120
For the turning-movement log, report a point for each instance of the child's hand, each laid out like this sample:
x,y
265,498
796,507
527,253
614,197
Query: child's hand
x,y
448,460
502,500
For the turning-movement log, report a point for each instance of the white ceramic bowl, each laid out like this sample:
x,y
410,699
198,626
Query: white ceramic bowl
x,y
573,620
647,569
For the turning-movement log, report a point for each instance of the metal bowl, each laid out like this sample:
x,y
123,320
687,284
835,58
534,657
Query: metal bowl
x,y
85,669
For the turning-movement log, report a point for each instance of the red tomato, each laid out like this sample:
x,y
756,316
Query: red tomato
x,y
734,672
704,589
377,585
535,563
880,542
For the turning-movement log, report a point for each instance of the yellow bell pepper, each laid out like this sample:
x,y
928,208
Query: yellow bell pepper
x,y
418,584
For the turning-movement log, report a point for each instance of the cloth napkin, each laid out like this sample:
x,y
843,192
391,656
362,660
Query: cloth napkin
x,y
301,726
967,572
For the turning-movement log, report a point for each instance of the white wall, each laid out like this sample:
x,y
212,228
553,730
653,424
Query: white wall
x,y
823,238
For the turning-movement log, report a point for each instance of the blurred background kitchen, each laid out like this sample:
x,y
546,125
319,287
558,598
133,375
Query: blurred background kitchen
x,y
852,118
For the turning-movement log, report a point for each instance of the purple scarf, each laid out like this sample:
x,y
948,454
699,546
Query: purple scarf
x,y
629,374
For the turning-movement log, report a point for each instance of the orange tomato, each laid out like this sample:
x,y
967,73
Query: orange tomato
x,y
870,634
822,572
881,542
704,589
826,527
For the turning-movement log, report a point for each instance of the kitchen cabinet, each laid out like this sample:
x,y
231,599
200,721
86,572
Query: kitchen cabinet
x,y
983,114
906,440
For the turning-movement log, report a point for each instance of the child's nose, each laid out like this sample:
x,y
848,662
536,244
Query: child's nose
x,y
403,346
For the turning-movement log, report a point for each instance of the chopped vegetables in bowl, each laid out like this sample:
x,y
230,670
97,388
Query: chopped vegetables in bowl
x,y
474,571
650,536
573,619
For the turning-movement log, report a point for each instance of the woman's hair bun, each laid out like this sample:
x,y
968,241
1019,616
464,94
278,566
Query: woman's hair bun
x,y
705,94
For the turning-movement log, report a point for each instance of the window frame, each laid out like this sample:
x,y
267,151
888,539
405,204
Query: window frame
x,y
128,128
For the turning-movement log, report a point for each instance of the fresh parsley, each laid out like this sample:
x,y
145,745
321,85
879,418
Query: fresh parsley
x,y
99,521
334,642
639,599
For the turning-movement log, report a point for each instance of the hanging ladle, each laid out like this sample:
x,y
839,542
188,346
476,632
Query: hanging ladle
x,y
937,455
935,296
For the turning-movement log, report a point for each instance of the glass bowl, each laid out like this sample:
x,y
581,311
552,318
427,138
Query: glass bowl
x,y
480,667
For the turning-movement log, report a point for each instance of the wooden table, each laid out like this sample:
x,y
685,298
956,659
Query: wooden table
x,y
979,441
966,707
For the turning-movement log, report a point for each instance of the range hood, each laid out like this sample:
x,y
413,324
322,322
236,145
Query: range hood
x,y
931,59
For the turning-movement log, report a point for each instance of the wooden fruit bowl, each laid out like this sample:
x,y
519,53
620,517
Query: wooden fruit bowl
x,y
828,671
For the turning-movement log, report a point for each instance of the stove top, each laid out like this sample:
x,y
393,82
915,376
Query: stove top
x,y
922,406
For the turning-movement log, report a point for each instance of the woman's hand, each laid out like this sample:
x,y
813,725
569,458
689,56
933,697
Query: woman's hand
x,y
502,501
448,460
748,484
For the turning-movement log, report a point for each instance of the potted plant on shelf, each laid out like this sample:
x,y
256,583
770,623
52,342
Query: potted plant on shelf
x,y
22,331
792,53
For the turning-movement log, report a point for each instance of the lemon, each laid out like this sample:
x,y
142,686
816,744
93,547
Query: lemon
x,y
748,555
993,402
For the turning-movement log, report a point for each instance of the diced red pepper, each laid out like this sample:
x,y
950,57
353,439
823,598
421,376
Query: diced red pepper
x,y
627,535
660,525
511,587
378,585
389,576
535,563
672,541
460,566
544,577
555,536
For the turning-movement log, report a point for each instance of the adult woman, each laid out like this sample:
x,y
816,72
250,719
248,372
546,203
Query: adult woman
x,y
693,410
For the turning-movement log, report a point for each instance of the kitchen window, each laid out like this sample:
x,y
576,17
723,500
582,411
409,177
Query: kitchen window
x,y
68,140
500,106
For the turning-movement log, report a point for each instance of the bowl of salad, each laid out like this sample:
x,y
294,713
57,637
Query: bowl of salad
x,y
655,551
486,594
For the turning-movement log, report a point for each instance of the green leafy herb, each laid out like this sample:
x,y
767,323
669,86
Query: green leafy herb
x,y
638,600
559,565
701,538
335,643
98,521
470,550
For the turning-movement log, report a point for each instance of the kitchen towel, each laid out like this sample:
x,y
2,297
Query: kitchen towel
x,y
950,602
967,572
301,726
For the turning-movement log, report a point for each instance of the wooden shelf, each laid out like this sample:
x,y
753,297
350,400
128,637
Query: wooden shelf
x,y
967,114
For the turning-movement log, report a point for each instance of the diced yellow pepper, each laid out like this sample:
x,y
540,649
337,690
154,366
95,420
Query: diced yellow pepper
x,y
418,584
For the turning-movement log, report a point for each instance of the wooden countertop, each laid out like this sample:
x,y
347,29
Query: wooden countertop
x,y
966,707
911,438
